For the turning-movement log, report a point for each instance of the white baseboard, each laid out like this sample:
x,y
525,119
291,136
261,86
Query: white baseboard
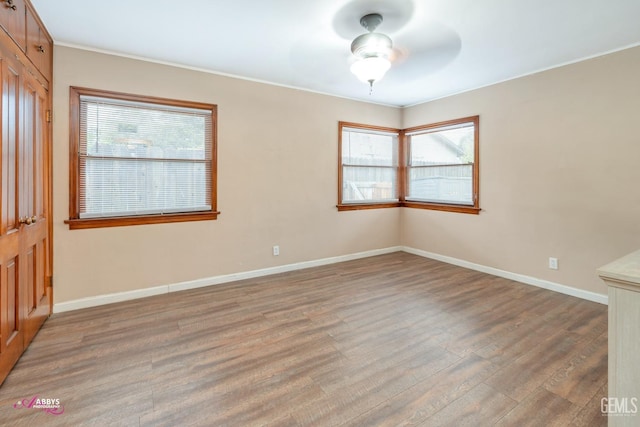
x,y
78,304
215,280
557,287
209,281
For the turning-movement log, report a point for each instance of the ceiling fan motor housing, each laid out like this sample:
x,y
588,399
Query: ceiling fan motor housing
x,y
371,44
371,21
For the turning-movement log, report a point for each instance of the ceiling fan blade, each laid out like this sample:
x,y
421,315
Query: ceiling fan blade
x,y
329,62
415,58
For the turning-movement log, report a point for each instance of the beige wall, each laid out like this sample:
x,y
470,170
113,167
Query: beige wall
x,y
560,173
559,177
277,170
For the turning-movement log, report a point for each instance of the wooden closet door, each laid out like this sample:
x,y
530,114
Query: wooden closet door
x,y
33,206
25,170
11,269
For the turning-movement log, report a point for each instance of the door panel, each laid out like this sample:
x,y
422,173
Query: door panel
x,y
27,163
13,303
39,46
12,18
10,138
29,277
11,290
36,299
11,335
31,187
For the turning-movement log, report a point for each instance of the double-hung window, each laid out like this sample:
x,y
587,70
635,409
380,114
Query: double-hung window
x,y
441,165
140,160
368,172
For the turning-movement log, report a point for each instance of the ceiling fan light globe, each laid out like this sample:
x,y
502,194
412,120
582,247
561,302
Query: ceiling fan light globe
x,y
370,69
371,44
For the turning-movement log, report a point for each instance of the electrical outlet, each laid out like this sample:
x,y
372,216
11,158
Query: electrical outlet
x,y
553,263
276,250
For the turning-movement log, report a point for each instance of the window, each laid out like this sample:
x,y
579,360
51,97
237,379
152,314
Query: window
x,y
430,167
441,166
368,172
140,160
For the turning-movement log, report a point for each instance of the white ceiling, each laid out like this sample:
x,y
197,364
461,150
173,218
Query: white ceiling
x,y
442,46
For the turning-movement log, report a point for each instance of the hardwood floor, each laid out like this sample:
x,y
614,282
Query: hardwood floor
x,y
384,341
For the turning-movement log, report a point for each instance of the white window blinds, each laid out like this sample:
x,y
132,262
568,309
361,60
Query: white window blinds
x,y
369,165
138,158
441,164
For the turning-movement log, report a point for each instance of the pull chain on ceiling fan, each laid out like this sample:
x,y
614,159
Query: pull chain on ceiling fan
x,y
372,50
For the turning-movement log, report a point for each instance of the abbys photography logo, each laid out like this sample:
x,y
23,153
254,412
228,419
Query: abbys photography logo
x,y
619,406
50,406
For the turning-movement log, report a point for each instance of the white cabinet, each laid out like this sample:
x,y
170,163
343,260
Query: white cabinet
x,y
623,280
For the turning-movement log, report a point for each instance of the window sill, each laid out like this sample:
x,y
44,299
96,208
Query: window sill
x,y
360,206
78,224
473,210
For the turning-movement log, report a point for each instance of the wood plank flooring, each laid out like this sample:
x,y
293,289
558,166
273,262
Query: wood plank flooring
x,y
384,341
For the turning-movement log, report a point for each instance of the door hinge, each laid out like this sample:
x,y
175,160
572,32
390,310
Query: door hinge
x,y
48,116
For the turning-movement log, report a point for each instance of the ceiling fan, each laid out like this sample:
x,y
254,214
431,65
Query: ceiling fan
x,y
394,38
372,50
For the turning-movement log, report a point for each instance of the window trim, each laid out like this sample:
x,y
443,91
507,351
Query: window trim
x,y
403,169
74,221
367,205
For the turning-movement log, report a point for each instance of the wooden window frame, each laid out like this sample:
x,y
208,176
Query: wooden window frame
x,y
74,221
449,207
366,205
403,170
